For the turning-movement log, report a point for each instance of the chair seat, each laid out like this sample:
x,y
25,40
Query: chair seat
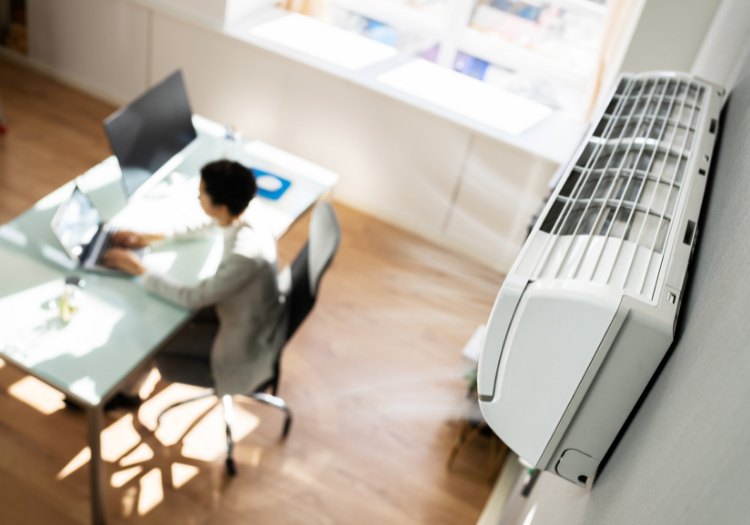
x,y
186,370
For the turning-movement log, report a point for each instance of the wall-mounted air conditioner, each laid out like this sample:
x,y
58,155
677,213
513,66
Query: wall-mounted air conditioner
x,y
588,310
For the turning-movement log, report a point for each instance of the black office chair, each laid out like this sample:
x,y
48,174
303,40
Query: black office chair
x,y
299,288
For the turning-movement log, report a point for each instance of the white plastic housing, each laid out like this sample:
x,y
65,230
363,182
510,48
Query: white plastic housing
x,y
588,310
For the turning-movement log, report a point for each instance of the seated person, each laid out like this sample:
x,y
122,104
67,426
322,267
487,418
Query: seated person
x,y
243,292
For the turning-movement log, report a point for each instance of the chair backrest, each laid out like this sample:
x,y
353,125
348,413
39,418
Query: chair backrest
x,y
310,265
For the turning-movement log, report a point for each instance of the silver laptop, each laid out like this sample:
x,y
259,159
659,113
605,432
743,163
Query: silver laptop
x,y
83,234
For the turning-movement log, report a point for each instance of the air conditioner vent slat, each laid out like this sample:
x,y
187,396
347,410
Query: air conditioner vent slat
x,y
625,185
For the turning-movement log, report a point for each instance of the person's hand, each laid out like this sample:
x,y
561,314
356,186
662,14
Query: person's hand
x,y
130,239
124,260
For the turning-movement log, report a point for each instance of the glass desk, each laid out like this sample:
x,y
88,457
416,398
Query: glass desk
x,y
120,326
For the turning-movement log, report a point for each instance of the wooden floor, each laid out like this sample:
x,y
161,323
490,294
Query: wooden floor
x,y
373,377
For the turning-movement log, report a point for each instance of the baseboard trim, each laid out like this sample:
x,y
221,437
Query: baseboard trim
x,y
438,239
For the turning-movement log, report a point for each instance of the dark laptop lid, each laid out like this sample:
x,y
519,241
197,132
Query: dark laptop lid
x,y
149,131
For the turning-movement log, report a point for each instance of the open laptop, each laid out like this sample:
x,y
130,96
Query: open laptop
x,y
83,234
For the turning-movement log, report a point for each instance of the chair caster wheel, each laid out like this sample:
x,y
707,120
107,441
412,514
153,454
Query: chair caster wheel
x,y
231,467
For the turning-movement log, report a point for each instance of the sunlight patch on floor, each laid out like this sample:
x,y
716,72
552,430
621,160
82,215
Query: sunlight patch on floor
x,y
139,455
121,478
182,473
177,421
152,493
37,395
148,386
128,501
119,438
77,462
207,440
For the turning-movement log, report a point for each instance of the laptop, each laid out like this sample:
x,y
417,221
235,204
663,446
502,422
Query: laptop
x,y
83,234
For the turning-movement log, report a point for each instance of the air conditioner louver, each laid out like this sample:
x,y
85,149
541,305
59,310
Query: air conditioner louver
x,y
611,217
588,309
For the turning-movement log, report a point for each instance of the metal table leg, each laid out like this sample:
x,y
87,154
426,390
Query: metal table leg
x,y
98,503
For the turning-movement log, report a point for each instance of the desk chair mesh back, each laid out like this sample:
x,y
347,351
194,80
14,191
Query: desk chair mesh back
x,y
303,278
310,265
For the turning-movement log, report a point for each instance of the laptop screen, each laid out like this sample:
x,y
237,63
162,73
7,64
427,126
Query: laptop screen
x,y
149,131
76,223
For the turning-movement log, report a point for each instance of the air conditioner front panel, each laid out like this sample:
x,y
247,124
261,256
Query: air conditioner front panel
x,y
639,343
534,386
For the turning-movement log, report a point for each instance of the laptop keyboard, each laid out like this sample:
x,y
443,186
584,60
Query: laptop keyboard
x,y
108,243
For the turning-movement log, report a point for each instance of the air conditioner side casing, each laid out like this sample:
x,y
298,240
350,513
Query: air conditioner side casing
x,y
584,317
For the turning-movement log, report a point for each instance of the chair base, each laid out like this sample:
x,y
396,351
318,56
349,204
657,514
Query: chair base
x,y
231,467
261,397
269,399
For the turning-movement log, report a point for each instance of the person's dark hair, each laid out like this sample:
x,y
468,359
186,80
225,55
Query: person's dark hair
x,y
229,183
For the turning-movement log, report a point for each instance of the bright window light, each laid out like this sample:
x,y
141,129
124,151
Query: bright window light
x,y
324,41
38,395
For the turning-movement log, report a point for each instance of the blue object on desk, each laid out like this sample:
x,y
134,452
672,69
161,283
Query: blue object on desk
x,y
265,191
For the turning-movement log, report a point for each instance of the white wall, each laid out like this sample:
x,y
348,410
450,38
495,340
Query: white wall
x,y
498,187
726,45
101,44
668,35
397,162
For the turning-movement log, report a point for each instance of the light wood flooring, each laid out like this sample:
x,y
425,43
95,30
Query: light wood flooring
x,y
373,377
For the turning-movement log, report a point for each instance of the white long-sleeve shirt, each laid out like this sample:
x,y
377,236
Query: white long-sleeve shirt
x,y
245,294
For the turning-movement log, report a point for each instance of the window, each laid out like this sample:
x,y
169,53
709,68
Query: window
x,y
546,51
